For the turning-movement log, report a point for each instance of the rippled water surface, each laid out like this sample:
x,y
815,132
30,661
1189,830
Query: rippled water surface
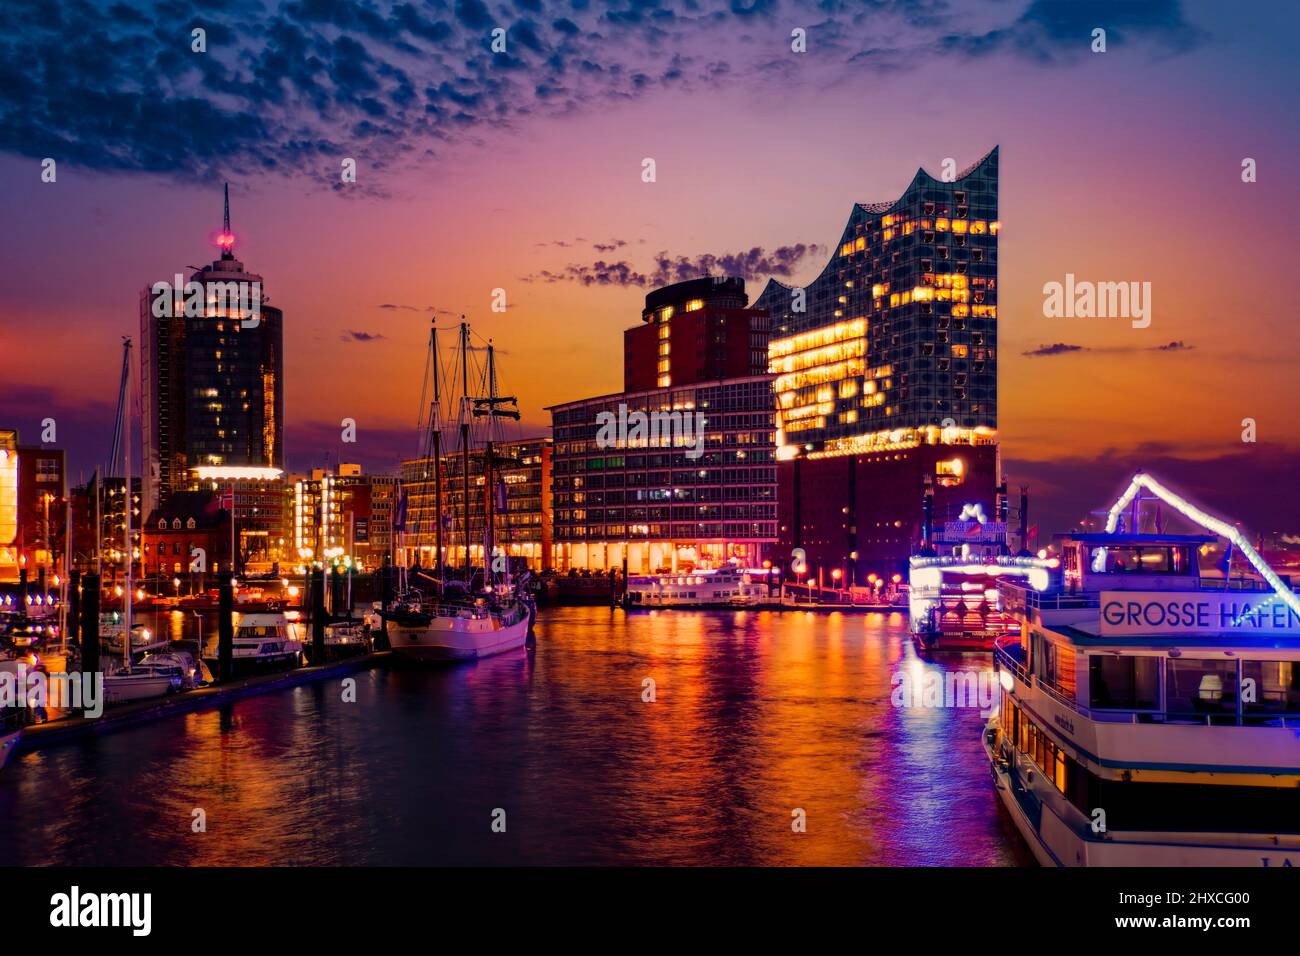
x,y
755,714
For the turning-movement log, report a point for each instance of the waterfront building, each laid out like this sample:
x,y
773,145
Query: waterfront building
x,y
33,508
886,378
664,498
185,542
522,527
255,498
700,330
211,376
107,543
344,517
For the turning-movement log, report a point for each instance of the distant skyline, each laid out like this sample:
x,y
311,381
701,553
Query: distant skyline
x,y
522,171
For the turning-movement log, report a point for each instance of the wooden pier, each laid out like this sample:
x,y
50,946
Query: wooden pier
x,y
71,727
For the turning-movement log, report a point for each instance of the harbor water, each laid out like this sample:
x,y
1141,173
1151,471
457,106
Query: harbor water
x,y
771,739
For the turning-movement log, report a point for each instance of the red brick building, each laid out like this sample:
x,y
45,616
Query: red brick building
x,y
189,520
695,331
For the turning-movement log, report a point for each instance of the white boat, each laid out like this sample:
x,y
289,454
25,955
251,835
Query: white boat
x,y
729,586
450,632
262,642
173,664
123,686
1149,717
346,639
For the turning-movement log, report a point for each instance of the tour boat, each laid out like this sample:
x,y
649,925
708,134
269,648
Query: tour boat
x,y
262,643
730,586
954,603
952,585
1150,717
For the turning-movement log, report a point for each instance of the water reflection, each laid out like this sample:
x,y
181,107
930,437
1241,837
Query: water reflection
x,y
754,715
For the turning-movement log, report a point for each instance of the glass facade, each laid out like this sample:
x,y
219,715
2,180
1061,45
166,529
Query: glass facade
x,y
656,501
895,343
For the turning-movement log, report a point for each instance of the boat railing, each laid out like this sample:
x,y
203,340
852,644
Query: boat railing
x,y
1010,657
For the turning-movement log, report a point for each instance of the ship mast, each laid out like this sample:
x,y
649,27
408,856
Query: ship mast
x,y
464,440
124,401
435,424
490,406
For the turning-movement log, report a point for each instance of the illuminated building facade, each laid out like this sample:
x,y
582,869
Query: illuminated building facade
x,y
192,523
255,496
699,330
33,503
343,518
522,528
211,376
649,503
886,376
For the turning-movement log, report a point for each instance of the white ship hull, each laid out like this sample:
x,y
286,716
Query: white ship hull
x,y
457,638
1055,842
121,688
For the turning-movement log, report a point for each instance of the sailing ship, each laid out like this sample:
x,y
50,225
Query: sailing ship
x,y
482,613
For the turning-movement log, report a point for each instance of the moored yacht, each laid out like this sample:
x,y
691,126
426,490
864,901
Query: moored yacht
x,y
1150,717
262,643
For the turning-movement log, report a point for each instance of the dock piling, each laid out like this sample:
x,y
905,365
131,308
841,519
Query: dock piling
x,y
385,598
318,617
90,633
225,632
74,607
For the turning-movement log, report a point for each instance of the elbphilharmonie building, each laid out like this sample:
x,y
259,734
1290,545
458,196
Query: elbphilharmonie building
x,y
886,376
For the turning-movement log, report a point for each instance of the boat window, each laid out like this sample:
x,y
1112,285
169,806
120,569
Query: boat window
x,y
1141,560
1123,683
1197,687
1270,687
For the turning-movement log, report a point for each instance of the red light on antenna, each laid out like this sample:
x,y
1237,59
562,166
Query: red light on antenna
x,y
226,241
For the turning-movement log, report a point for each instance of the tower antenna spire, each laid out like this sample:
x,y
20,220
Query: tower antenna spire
x,y
227,239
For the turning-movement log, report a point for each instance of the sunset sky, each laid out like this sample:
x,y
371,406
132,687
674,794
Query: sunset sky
x,y
522,170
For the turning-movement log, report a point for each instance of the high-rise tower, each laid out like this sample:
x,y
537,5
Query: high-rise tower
x,y
212,373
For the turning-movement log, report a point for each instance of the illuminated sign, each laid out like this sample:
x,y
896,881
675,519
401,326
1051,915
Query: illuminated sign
x,y
959,531
1171,613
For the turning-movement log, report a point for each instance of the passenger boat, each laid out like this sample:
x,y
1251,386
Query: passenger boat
x,y
1150,717
261,643
953,600
954,603
729,586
